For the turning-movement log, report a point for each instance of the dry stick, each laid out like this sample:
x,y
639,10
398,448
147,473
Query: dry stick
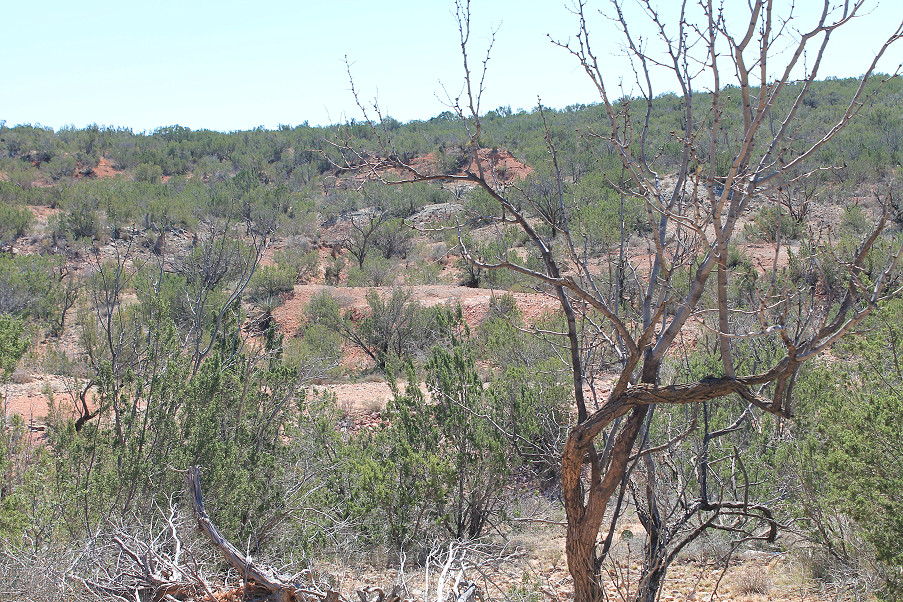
x,y
160,584
262,577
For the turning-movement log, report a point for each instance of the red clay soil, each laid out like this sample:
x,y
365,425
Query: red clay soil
x,y
502,164
42,217
105,169
362,397
29,398
425,164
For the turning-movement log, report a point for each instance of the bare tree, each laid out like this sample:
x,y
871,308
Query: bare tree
x,y
220,257
737,151
362,232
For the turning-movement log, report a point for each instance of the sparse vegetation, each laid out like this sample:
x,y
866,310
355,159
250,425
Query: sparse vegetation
x,y
139,282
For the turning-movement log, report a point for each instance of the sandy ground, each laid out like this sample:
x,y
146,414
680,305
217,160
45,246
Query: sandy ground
x,y
29,395
30,399
105,169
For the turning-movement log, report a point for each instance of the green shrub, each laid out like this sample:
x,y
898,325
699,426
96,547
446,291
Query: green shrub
x,y
60,166
80,220
270,281
399,476
771,223
146,172
854,221
600,209
376,271
317,350
14,222
504,248
423,272
432,467
395,328
851,449
306,265
30,285
478,453
333,271
229,416
398,327
13,344
23,463
530,392
393,239
24,468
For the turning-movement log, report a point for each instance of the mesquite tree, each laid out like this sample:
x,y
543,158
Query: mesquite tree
x,y
742,80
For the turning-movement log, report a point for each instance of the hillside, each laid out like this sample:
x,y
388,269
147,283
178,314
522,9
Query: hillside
x,y
373,400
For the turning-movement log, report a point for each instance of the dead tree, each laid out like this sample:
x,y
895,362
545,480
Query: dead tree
x,y
737,152
158,566
219,258
362,231
255,576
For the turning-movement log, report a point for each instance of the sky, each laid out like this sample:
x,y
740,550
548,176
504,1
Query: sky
x,y
227,65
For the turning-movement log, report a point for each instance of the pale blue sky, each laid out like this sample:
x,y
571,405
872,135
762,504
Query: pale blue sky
x,y
230,65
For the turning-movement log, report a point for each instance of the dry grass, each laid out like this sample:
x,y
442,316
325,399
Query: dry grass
x,y
754,581
21,376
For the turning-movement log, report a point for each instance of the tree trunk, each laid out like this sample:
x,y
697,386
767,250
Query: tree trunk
x,y
581,557
654,579
585,517
655,565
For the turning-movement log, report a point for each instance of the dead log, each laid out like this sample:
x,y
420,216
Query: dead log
x,y
394,596
278,587
469,594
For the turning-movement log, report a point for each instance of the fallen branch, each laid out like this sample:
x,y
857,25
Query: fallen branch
x,y
263,578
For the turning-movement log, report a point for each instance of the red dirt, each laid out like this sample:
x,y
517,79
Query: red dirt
x,y
105,169
763,256
29,399
372,396
42,217
358,397
425,164
502,164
